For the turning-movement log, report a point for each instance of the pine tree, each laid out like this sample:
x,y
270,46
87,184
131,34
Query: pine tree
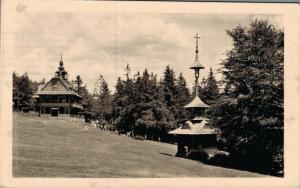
x,y
143,109
117,103
182,97
152,117
127,70
182,91
87,98
102,104
80,88
123,103
140,107
209,89
78,82
169,86
16,94
24,84
22,92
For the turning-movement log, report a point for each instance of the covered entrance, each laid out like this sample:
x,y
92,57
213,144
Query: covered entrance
x,y
194,134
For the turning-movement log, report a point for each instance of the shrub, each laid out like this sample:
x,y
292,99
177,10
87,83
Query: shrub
x,y
220,158
198,154
110,127
25,109
277,165
139,137
103,122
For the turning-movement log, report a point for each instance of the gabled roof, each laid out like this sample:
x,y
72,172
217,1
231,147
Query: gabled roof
x,y
65,84
67,91
196,103
190,128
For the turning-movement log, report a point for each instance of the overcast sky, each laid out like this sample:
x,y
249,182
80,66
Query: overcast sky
x,y
103,43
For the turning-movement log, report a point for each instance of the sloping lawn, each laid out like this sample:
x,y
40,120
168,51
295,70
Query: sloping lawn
x,y
57,147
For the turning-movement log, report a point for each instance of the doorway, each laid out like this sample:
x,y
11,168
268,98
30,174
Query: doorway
x,y
54,111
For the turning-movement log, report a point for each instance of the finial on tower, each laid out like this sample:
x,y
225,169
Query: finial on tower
x,y
197,49
197,37
61,70
196,65
61,60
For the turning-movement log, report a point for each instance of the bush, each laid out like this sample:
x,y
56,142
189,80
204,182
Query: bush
x,y
103,122
139,137
198,154
220,158
110,127
25,109
277,165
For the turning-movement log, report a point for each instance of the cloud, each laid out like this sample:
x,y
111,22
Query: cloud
x,y
103,43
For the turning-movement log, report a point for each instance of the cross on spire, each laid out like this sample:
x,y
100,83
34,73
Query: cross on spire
x,y
197,37
197,50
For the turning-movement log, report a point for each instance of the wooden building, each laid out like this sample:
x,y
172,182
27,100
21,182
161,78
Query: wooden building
x,y
194,134
57,96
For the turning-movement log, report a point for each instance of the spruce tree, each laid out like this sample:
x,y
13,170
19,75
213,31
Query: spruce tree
x,y
152,117
78,82
169,86
182,97
123,103
209,89
24,91
145,98
103,105
87,98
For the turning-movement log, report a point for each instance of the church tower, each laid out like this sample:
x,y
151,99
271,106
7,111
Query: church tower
x,y
61,70
196,133
196,103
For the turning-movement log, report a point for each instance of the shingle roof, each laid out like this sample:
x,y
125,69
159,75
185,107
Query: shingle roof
x,y
196,103
68,91
194,129
57,93
200,118
196,65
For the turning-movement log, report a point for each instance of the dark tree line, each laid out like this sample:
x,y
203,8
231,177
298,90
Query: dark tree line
x,y
143,105
23,89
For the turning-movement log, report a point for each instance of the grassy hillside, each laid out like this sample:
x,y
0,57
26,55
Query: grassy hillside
x,y
49,147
